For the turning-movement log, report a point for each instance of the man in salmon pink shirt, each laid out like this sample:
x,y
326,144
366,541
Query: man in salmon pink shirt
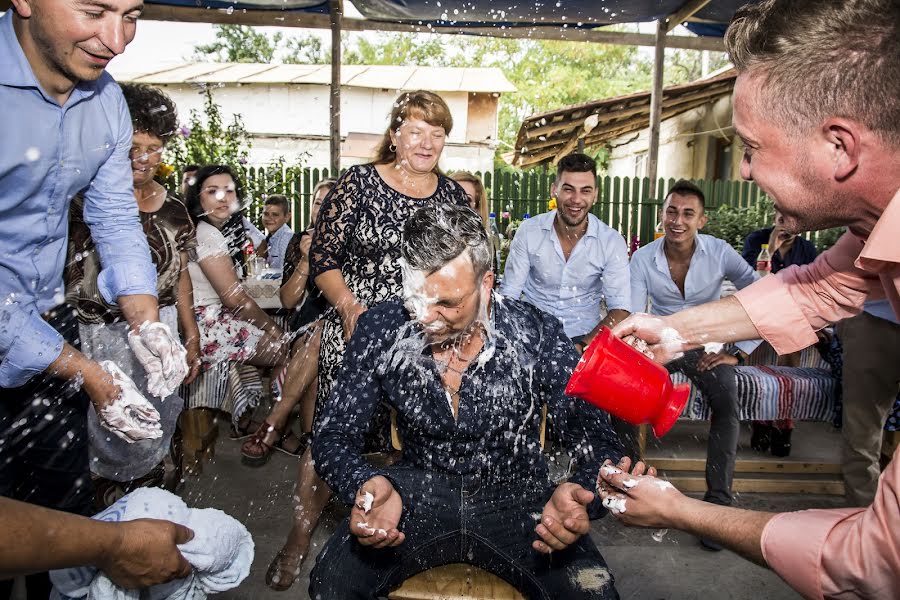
x,y
817,106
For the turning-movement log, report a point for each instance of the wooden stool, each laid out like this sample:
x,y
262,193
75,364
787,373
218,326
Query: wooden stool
x,y
199,430
455,581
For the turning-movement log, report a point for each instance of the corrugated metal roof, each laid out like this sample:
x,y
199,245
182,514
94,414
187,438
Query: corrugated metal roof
x,y
438,79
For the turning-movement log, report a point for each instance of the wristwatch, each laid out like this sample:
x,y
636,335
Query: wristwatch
x,y
738,354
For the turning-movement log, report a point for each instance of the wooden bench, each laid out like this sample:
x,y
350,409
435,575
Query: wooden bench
x,y
455,581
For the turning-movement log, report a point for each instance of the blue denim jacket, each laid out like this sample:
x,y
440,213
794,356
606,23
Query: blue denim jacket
x,y
525,363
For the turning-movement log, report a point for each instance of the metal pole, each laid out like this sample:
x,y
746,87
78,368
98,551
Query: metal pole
x,y
656,104
336,11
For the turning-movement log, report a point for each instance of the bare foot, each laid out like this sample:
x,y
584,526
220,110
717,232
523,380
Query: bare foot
x,y
285,567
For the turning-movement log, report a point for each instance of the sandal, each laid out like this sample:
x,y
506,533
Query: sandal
x,y
242,430
297,448
256,451
283,571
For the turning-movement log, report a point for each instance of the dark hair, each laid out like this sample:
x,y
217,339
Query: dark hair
x,y
576,163
683,187
822,58
435,235
233,229
152,111
190,168
279,200
421,104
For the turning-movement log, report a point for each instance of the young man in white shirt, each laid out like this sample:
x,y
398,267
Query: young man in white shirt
x,y
686,268
567,261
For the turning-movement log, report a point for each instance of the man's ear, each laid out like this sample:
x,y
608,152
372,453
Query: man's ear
x,y
488,280
844,138
23,8
702,221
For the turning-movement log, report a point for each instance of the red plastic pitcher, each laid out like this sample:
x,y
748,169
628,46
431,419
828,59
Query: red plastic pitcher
x,y
624,382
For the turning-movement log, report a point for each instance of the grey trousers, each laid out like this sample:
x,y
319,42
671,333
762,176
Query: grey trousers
x,y
719,388
871,381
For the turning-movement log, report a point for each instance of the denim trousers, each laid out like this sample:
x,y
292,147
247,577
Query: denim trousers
x,y
463,519
719,387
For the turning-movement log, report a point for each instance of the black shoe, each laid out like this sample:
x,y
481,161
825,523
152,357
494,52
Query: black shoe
x,y
781,442
761,437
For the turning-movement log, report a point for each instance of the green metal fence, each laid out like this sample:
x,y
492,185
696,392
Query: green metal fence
x,y
623,203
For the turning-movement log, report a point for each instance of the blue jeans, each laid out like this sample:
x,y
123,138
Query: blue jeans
x,y
462,519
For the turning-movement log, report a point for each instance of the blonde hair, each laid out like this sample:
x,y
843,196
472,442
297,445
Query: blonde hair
x,y
481,205
421,104
822,58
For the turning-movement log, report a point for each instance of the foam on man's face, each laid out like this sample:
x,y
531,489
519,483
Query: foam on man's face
x,y
442,301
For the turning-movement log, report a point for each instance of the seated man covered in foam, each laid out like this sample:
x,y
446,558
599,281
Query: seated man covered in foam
x,y
467,373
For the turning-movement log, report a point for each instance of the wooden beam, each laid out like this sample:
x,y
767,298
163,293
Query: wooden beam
x,y
834,487
601,134
684,13
643,108
336,12
284,18
656,105
749,466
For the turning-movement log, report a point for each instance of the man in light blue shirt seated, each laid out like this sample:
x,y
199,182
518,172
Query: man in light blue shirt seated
x,y
66,128
567,261
685,268
276,214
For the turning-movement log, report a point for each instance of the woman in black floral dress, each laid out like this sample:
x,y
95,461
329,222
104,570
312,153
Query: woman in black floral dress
x,y
355,261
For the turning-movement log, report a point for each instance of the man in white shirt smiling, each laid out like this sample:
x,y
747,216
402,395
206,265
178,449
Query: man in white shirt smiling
x,y
567,261
685,268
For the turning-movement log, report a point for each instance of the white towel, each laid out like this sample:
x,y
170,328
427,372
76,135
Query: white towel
x,y
221,552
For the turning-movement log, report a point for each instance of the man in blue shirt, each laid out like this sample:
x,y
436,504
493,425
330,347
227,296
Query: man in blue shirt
x,y
66,129
567,261
685,268
467,372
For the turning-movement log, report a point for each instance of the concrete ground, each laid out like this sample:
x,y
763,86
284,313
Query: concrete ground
x,y
676,568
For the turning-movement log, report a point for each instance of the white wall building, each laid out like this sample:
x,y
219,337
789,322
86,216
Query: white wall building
x,y
285,108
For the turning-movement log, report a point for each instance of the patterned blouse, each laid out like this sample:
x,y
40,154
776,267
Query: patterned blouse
x,y
359,228
169,231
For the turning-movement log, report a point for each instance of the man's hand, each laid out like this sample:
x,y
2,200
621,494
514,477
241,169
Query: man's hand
x,y
711,360
664,342
349,316
145,553
564,519
637,499
162,355
376,514
131,417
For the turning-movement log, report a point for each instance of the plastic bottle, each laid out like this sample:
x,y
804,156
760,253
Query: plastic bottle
x,y
249,258
764,262
659,232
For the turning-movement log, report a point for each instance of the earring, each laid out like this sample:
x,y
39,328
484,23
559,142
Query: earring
x,y
392,148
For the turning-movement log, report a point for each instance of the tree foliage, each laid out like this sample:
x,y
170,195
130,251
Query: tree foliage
x,y
548,74
239,43
207,140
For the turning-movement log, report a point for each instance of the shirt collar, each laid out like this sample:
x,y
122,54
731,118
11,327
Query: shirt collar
x,y
660,255
883,244
15,70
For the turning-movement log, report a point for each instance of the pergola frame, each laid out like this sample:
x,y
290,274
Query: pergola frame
x,y
336,23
